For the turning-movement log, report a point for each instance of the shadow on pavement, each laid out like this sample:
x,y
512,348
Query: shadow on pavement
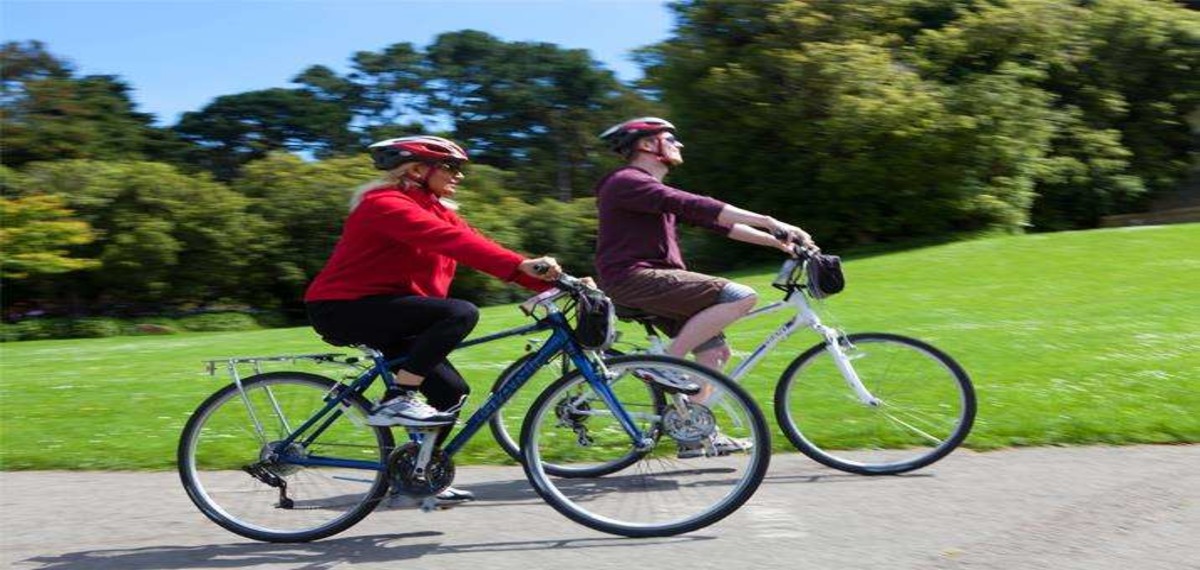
x,y
839,477
314,555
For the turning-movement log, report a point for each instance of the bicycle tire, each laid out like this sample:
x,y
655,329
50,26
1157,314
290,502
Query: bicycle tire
x,y
928,405
513,414
221,435
641,500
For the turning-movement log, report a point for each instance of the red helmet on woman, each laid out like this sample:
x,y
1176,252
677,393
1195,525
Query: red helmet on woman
x,y
391,153
622,136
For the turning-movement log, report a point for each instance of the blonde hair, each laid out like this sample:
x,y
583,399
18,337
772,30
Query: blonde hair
x,y
394,177
397,177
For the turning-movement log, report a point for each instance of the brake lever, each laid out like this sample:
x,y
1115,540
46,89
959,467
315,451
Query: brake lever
x,y
563,281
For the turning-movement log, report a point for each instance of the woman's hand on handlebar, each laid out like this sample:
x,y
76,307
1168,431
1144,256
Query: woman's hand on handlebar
x,y
545,268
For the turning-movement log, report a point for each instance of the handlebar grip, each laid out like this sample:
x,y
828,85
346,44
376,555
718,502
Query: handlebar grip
x,y
566,282
781,234
541,268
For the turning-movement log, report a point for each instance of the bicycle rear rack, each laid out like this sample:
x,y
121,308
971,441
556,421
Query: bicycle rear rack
x,y
231,364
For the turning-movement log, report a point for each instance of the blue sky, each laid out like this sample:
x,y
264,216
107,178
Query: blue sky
x,y
180,54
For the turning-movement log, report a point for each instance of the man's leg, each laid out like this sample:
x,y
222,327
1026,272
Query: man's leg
x,y
707,324
701,333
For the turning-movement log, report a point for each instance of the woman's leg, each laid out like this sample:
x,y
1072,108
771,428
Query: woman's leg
x,y
424,328
444,388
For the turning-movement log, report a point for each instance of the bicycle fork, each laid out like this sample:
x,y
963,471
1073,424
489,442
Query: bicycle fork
x,y
837,350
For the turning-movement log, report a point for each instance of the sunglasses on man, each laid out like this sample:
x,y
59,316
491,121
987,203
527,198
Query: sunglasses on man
x,y
670,139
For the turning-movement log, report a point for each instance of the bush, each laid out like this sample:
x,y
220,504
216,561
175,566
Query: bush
x,y
36,329
159,326
95,328
272,320
215,322
9,333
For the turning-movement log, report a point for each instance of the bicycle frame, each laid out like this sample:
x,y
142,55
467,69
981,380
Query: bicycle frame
x,y
559,341
804,316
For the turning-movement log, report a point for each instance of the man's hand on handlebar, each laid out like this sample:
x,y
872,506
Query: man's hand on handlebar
x,y
792,239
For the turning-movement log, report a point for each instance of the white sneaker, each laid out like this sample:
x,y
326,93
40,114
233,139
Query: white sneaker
x,y
716,444
453,496
408,410
669,380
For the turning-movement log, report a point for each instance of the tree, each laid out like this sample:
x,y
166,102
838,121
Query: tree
x,y
831,129
50,114
886,121
1123,78
37,235
235,129
385,90
162,237
532,108
305,204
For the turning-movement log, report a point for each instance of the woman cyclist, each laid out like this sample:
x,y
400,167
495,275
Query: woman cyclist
x,y
386,283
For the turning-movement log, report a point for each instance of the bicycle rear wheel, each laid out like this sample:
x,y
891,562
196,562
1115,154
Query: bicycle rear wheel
x,y
698,463
926,409
506,422
232,466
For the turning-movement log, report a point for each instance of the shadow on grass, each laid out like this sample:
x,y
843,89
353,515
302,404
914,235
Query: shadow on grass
x,y
379,548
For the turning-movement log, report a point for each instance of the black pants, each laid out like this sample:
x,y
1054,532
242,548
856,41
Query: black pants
x,y
425,329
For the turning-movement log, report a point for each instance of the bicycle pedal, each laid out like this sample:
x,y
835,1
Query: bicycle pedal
x,y
430,504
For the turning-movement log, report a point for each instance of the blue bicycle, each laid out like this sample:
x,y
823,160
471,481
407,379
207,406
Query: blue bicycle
x,y
289,456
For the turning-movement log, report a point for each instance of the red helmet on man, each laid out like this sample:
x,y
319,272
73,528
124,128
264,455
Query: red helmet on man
x,y
620,137
391,153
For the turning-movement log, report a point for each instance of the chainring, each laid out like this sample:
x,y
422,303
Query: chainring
x,y
402,463
694,425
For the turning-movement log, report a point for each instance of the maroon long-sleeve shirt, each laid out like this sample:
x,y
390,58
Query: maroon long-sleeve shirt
x,y
637,214
400,242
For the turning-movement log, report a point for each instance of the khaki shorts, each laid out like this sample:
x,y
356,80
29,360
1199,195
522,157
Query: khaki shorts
x,y
672,295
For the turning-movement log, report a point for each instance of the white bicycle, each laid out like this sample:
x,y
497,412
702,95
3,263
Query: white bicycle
x,y
867,403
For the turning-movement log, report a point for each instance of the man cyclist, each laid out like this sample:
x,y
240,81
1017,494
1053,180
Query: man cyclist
x,y
637,250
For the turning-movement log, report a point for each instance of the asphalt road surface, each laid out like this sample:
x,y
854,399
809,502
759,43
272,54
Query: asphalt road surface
x,y
1095,508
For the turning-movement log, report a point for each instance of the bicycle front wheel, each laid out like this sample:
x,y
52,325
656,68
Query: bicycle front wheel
x,y
925,405
236,471
696,461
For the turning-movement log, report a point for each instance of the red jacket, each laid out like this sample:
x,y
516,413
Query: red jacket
x,y
407,243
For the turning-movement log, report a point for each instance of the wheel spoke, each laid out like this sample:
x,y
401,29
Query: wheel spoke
x,y
926,405
276,498
661,490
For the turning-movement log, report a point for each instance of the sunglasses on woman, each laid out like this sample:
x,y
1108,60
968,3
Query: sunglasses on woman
x,y
452,167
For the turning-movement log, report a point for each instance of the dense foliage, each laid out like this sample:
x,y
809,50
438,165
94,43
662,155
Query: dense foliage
x,y
885,121
865,123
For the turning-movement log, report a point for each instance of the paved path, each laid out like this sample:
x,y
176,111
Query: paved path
x,y
1094,508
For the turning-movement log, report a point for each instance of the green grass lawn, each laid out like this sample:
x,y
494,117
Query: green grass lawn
x,y
1070,338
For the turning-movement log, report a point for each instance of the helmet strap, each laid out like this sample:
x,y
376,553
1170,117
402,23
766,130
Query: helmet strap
x,y
419,180
658,151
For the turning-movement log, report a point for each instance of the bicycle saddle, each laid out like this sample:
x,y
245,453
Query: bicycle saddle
x,y
631,314
335,341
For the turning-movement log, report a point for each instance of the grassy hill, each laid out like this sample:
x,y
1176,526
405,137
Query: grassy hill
x,y
1077,337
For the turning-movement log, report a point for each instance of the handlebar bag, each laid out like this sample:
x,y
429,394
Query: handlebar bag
x,y
824,274
595,319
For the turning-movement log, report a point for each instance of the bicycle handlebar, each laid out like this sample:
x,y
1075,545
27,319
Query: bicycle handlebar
x,y
798,251
563,281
